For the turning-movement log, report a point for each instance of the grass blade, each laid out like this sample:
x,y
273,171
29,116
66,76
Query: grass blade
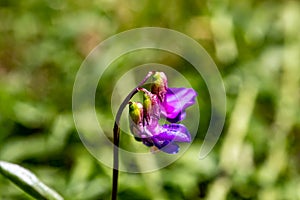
x,y
27,181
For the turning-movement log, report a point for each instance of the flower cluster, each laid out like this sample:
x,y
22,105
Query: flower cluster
x,y
161,101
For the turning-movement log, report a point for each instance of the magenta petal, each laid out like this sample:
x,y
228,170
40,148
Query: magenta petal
x,y
176,101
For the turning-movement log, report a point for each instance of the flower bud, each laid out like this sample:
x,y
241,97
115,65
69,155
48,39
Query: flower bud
x,y
136,112
151,110
160,85
147,106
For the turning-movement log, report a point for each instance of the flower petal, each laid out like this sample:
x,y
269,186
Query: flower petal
x,y
165,145
176,101
147,142
170,148
174,133
169,133
160,143
136,129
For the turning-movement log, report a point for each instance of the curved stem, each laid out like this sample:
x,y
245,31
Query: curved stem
x,y
116,137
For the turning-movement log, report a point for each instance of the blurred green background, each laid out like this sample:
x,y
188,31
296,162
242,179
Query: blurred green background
x,y
256,46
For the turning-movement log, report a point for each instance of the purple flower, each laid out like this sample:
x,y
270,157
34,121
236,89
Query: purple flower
x,y
154,135
173,101
161,101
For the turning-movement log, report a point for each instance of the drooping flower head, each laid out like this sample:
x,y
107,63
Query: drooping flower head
x,y
161,101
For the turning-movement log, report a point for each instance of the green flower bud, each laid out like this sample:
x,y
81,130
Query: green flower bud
x,y
159,85
147,105
136,112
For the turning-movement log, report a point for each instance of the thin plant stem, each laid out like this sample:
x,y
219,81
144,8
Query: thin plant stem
x,y
116,137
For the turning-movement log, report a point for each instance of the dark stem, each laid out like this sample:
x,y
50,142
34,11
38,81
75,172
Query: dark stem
x,y
116,162
116,137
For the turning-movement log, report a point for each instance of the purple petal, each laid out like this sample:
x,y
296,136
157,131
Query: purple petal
x,y
166,146
174,133
147,142
170,148
176,101
180,116
171,133
136,129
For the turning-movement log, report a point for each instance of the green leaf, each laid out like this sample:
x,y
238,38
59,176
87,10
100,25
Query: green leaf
x,y
27,181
